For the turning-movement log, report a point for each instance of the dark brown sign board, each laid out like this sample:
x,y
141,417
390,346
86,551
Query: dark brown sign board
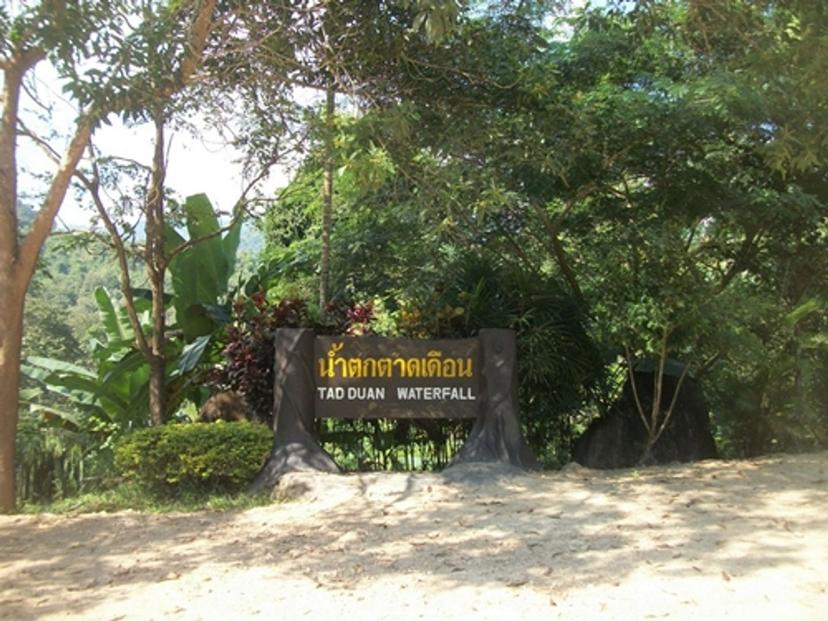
x,y
376,377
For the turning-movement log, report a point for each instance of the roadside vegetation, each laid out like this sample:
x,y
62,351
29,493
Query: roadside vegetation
x,y
627,186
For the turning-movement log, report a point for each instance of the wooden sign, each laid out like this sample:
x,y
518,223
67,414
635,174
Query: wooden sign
x,y
376,377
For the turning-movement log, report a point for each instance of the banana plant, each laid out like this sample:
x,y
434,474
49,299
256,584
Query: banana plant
x,y
116,393
112,396
201,273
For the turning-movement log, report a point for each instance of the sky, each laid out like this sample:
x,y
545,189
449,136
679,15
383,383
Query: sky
x,y
203,163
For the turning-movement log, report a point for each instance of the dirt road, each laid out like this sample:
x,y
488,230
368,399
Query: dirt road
x,y
715,540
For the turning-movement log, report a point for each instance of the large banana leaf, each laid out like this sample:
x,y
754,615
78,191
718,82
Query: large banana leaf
x,y
193,353
115,329
50,365
118,390
201,274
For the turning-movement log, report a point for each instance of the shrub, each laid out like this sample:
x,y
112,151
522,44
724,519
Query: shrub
x,y
197,457
248,365
52,462
249,351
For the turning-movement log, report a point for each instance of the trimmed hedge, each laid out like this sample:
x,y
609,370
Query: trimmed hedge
x,y
197,457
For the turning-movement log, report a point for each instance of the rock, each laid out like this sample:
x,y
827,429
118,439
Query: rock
x,y
228,405
617,439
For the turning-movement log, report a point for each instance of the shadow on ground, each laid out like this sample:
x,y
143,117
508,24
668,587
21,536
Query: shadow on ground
x,y
554,531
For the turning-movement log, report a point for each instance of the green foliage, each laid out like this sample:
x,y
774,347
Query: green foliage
x,y
70,403
110,399
201,273
53,460
114,396
657,168
63,431
47,333
770,394
559,367
197,457
62,298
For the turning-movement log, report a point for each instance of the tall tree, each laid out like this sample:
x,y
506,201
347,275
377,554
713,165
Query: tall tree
x,y
69,34
25,40
272,51
327,197
637,158
174,56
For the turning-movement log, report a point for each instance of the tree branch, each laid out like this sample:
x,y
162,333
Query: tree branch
x,y
659,383
739,260
669,412
49,150
203,238
556,247
199,32
31,245
93,186
12,77
634,387
30,58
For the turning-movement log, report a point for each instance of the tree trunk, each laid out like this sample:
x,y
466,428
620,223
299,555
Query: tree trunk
x,y
557,250
10,315
327,199
11,338
157,389
18,258
646,458
156,270
158,359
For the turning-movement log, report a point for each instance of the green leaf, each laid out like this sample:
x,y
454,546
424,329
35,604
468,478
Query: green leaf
x,y
72,418
230,243
109,316
130,363
51,365
805,309
193,353
201,273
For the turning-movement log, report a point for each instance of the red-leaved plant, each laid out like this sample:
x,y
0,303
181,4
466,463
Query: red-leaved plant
x,y
249,352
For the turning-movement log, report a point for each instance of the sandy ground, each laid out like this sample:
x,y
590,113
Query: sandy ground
x,y
715,540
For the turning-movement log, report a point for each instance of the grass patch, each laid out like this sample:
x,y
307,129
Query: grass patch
x,y
131,496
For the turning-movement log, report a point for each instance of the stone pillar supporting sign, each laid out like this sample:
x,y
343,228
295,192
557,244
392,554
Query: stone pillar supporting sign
x,y
295,445
376,377
496,435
